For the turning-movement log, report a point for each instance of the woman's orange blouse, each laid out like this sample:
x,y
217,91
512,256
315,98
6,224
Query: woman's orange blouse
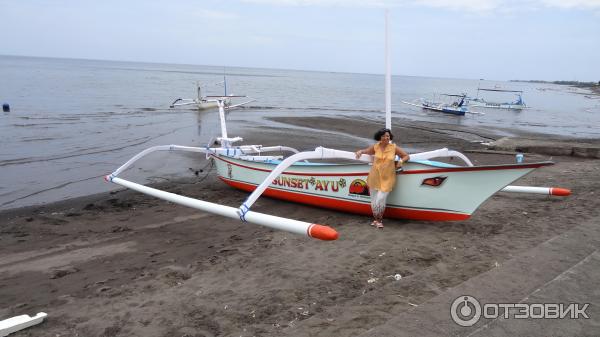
x,y
382,176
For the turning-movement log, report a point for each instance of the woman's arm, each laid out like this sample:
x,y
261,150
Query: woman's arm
x,y
370,150
404,157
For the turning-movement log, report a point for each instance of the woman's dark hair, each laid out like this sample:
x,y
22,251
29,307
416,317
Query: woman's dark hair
x,y
382,132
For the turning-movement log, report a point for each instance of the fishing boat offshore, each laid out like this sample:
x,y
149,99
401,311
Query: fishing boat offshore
x,y
457,107
480,102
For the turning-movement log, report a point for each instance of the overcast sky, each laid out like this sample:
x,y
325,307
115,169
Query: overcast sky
x,y
491,39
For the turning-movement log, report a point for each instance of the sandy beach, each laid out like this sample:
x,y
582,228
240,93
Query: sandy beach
x,y
124,264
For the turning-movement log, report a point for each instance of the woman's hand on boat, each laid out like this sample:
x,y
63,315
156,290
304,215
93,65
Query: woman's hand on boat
x,y
370,151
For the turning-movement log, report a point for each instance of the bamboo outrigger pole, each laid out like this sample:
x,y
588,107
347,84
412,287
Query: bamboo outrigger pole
x,y
556,191
294,226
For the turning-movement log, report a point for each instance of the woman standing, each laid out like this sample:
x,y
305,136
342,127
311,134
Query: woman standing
x,y
382,176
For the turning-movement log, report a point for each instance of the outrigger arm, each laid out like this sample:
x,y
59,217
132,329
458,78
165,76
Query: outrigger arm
x,y
294,226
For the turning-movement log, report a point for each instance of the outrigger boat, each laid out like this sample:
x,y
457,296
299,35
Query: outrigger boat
x,y
426,189
457,107
517,104
208,102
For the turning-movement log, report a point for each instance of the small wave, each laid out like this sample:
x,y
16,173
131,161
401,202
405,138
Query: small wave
x,y
42,125
23,125
19,161
192,72
57,118
534,124
48,189
38,139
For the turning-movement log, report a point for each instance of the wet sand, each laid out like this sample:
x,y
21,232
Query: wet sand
x,y
123,264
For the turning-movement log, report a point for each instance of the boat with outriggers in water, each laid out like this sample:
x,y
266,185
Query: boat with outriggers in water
x,y
480,102
425,189
457,107
208,102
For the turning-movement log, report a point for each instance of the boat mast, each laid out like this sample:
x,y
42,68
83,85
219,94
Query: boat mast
x,y
221,104
388,76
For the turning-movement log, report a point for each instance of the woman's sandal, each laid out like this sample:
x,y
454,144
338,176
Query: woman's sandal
x,y
379,225
374,223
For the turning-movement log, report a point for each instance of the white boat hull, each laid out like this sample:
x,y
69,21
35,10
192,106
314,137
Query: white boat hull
x,y
500,106
461,190
211,104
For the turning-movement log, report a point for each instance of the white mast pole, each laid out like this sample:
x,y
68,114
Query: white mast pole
x,y
388,76
221,104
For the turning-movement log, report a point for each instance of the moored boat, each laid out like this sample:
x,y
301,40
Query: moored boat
x,y
425,190
203,102
457,107
517,104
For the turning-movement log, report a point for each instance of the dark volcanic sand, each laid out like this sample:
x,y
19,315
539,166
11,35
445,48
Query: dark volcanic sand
x,y
123,264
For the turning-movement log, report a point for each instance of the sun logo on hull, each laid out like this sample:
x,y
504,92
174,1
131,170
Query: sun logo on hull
x,y
359,187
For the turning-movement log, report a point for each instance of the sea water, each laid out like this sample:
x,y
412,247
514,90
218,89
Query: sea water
x,y
73,121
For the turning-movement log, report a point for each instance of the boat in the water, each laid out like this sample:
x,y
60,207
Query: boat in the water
x,y
480,102
203,102
457,107
425,189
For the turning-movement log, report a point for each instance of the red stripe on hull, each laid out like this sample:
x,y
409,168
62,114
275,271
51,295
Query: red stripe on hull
x,y
349,206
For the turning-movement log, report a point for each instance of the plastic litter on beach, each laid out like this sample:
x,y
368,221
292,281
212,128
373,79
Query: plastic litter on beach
x,y
396,277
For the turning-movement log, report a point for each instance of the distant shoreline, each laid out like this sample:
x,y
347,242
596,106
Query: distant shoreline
x,y
594,87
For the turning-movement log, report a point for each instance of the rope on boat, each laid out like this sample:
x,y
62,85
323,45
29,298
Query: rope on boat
x,y
242,212
210,164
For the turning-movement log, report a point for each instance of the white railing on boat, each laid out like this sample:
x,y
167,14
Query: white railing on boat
x,y
232,152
